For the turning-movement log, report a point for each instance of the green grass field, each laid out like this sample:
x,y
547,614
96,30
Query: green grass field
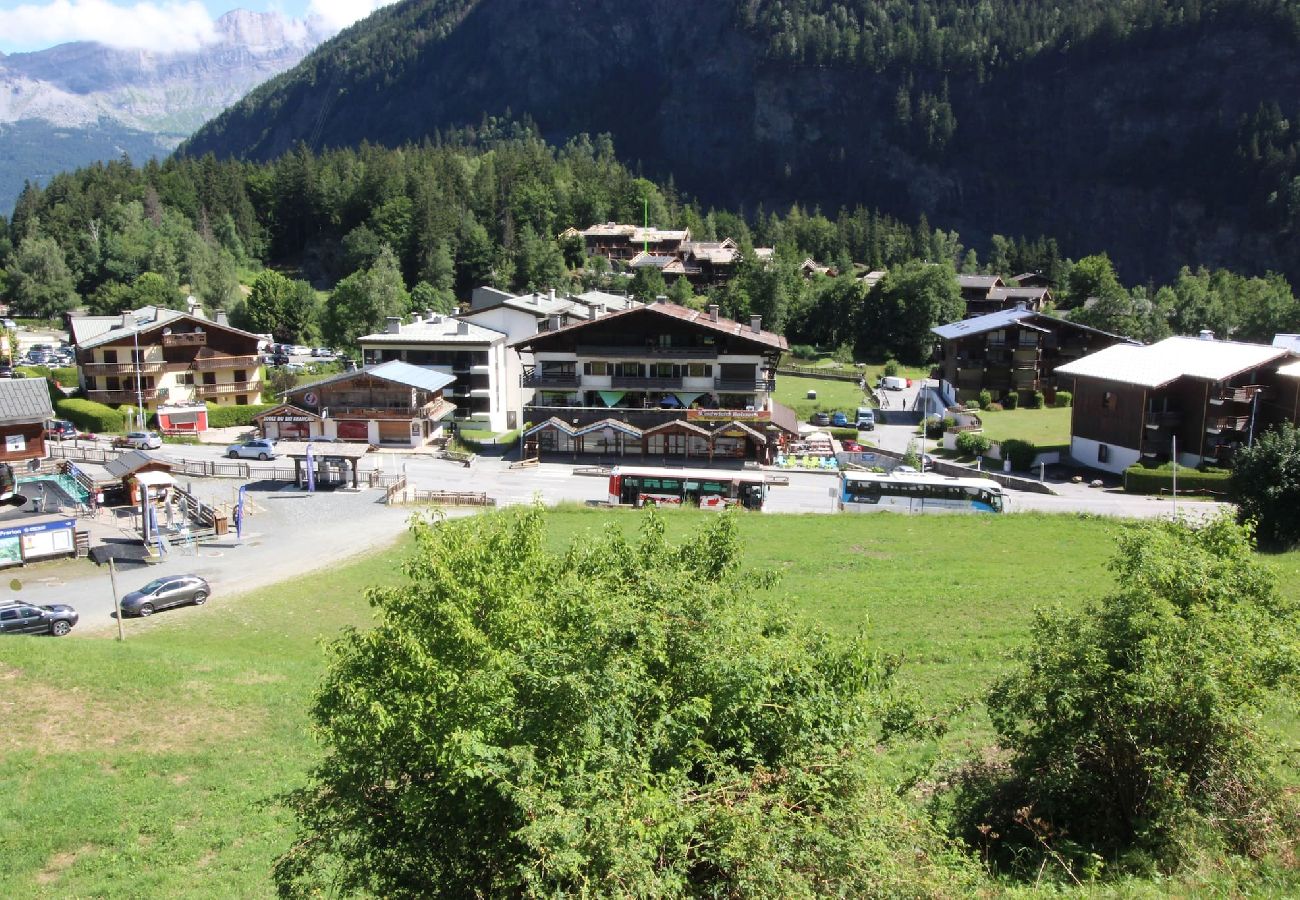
x,y
151,768
1044,428
832,396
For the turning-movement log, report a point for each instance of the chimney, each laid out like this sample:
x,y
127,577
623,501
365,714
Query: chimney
x,y
533,299
553,323
756,324
431,315
394,324
462,328
221,317
1206,334
713,312
126,320
661,299
415,317
551,295
434,319
593,311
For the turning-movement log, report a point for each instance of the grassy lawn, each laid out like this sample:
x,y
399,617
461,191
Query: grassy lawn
x,y
792,391
152,767
1041,427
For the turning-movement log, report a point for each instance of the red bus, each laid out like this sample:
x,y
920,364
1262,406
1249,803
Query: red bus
x,y
705,488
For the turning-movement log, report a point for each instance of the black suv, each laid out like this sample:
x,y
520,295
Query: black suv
x,y
30,618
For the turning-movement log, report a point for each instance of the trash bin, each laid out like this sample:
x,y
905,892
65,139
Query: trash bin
x,y
812,395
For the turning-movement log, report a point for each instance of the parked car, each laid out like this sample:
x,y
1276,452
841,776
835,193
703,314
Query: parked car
x,y
300,350
820,419
261,448
139,440
839,420
8,324
6,371
60,429
866,419
32,618
322,352
164,593
280,359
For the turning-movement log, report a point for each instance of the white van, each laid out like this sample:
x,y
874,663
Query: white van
x,y
893,383
866,419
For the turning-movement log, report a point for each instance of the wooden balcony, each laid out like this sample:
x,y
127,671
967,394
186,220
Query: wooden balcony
x,y
146,367
186,339
1221,424
123,395
1242,394
1157,420
224,388
213,363
645,351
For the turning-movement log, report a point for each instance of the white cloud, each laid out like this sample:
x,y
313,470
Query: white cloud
x,y
335,15
166,25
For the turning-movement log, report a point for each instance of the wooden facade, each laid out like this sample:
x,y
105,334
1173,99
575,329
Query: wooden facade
x,y
21,442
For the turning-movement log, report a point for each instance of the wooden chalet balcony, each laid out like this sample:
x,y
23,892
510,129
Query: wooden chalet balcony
x,y
1158,420
382,411
1220,424
123,395
543,380
654,384
222,388
1025,379
1242,394
605,351
213,363
145,366
743,385
186,339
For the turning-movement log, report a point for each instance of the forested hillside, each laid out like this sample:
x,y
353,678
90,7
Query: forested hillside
x,y
1162,131
374,232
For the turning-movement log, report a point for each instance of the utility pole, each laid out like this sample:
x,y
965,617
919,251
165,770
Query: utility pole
x,y
117,604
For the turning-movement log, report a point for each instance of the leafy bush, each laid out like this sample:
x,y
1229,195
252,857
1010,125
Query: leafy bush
x,y
843,353
803,351
1010,400
985,399
1063,400
892,368
973,443
994,407
1133,724
1266,486
1036,400
235,416
1021,453
623,717
935,425
1139,479
844,434
90,416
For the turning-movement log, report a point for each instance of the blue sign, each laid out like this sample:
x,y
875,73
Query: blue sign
x,y
37,528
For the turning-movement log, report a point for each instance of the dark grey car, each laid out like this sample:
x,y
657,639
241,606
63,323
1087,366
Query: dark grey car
x,y
166,592
33,618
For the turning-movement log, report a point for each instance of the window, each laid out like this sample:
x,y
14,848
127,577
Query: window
x,y
1103,453
1108,400
242,399
595,368
110,356
700,370
8,614
184,377
241,375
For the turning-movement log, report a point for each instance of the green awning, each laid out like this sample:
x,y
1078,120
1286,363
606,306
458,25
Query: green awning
x,y
611,398
688,397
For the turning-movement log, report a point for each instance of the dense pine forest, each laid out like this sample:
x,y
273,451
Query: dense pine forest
x,y
349,236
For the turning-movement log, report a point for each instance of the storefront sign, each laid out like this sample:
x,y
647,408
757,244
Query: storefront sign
x,y
288,418
729,415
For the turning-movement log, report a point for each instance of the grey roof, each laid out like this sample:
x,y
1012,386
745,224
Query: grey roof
x,y
395,371
1005,318
131,462
979,281
439,330
24,400
92,331
1171,359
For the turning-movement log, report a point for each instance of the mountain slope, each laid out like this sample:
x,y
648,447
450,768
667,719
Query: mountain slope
x,y
1134,136
97,101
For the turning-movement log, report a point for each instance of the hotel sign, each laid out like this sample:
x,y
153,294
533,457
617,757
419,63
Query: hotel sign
x,y
728,415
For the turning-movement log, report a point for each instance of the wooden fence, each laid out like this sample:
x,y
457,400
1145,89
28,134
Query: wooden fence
x,y
397,487
452,498
814,372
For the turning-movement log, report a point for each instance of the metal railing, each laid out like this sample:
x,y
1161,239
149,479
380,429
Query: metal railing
x,y
651,383
745,385
539,380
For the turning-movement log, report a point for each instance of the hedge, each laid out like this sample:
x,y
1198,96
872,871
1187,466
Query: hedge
x,y
90,416
843,434
1139,479
1021,453
235,416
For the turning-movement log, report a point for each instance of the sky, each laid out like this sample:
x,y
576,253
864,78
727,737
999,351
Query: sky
x,y
150,24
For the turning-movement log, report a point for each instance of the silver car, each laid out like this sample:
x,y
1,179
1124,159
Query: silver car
x,y
257,449
162,593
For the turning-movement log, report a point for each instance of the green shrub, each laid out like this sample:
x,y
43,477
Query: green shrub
x,y
1036,400
973,443
90,416
993,407
1010,400
891,368
1021,453
843,353
1063,400
803,351
934,427
844,434
1139,479
986,399
235,416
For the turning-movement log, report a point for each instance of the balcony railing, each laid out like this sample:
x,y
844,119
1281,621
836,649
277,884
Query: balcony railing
x,y
227,387
212,363
123,395
186,339
394,411
1157,420
147,366
606,351
743,385
1242,394
657,384
540,380
1220,424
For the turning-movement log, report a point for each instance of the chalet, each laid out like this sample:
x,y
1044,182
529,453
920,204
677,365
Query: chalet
x,y
1011,350
1199,397
703,263
653,365
1032,280
484,373
622,242
24,410
985,294
154,356
975,288
393,403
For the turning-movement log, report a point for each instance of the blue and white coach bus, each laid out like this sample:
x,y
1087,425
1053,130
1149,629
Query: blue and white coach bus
x,y
907,491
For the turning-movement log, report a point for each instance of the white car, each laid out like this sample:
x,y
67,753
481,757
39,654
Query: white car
x,y
139,440
256,449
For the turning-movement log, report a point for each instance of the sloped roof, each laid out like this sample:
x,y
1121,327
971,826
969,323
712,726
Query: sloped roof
x,y
1005,318
671,310
92,331
24,400
1018,293
984,282
1173,358
395,371
445,330
133,461
1290,370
